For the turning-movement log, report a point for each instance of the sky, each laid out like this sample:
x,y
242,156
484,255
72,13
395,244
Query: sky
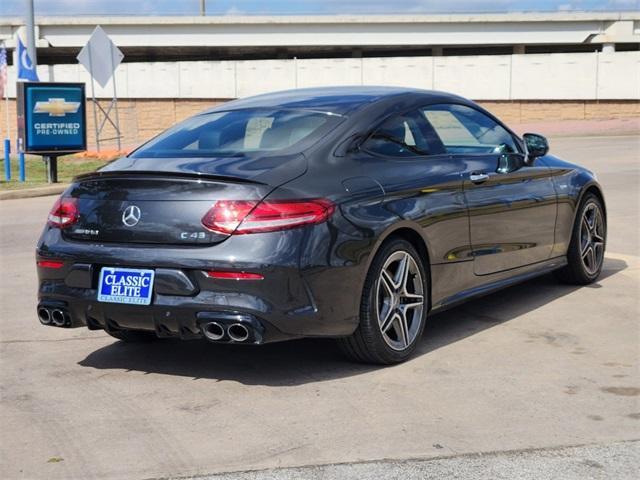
x,y
300,7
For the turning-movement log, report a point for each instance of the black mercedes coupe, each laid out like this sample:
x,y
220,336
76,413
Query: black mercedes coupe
x,y
347,212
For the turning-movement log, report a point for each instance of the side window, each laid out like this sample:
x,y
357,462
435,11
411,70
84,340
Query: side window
x,y
400,136
466,130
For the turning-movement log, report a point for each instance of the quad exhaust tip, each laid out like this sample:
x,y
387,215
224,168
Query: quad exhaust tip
x,y
44,316
238,332
58,318
216,331
213,331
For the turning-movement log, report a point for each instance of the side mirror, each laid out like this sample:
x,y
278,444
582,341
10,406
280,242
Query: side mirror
x,y
537,145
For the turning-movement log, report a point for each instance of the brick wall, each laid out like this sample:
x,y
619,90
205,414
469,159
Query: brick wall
x,y
141,119
536,111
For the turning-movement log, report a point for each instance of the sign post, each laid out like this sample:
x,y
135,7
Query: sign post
x,y
52,168
52,121
101,57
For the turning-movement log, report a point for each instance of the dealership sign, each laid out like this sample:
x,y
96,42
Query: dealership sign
x,y
51,117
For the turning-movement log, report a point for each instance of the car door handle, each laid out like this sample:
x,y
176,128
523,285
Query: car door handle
x,y
477,177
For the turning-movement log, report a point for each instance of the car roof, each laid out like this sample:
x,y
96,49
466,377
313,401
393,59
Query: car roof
x,y
337,100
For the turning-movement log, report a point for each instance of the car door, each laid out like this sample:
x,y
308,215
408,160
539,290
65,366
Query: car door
x,y
512,204
422,183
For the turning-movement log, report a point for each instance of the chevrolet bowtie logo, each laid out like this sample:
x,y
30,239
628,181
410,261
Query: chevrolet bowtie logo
x,y
56,107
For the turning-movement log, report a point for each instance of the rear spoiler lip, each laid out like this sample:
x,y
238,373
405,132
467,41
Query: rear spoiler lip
x,y
163,174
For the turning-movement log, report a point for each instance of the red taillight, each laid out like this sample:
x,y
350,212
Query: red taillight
x,y
50,264
225,275
63,213
242,216
226,215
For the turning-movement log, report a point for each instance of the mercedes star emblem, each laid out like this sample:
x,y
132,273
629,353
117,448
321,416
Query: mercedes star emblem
x,y
131,216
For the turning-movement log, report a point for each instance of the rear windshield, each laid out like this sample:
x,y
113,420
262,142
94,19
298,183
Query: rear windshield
x,y
239,133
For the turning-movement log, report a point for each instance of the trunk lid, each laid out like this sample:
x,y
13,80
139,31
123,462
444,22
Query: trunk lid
x,y
152,209
162,201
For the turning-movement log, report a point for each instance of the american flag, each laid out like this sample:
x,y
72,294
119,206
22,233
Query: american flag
x,y
3,70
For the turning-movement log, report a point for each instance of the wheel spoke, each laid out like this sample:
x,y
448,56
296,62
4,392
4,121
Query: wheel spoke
x,y
413,296
594,261
591,259
590,218
410,306
585,225
387,282
584,247
597,234
387,320
416,300
598,248
406,274
399,277
402,330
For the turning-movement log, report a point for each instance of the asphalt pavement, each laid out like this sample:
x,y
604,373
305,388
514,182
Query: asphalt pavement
x,y
536,379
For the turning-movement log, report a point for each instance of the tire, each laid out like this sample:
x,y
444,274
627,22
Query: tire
x,y
585,255
400,300
134,336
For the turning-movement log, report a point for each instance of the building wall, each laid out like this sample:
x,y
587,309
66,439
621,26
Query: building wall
x,y
556,76
517,88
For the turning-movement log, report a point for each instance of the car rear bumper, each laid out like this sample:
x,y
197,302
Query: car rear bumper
x,y
289,302
186,322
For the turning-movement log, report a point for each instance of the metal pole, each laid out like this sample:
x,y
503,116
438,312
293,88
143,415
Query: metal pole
x,y
21,166
203,8
22,169
31,43
115,98
7,159
93,98
52,168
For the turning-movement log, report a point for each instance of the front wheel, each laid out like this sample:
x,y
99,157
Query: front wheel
x,y
393,307
585,255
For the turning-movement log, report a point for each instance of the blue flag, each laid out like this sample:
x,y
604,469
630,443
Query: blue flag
x,y
26,70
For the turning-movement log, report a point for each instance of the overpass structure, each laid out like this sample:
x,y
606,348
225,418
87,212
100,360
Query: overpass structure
x,y
144,39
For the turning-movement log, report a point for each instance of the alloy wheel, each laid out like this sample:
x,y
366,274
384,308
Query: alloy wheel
x,y
592,233
400,300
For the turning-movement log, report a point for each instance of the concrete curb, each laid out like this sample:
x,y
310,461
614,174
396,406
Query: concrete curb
x,y
34,192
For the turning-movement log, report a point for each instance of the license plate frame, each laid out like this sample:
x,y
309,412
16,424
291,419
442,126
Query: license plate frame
x,y
126,290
